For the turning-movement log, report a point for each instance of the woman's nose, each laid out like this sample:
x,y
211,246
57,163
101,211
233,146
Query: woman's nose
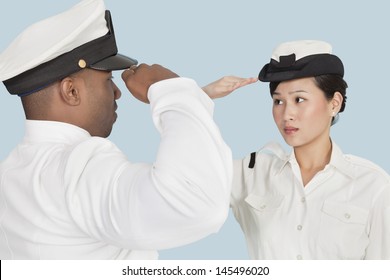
x,y
289,113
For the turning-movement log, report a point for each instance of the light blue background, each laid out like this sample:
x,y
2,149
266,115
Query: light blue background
x,y
206,39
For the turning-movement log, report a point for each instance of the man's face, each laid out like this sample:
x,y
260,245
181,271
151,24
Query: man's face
x,y
99,102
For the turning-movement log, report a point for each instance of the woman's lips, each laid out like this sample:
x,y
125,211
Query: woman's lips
x,y
289,130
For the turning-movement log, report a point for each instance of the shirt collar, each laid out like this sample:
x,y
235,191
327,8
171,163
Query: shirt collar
x,y
51,131
277,150
340,162
337,160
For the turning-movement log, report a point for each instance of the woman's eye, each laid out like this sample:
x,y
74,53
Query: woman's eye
x,y
278,102
299,99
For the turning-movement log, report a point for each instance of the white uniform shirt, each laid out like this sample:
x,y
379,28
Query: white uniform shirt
x,y
342,213
67,195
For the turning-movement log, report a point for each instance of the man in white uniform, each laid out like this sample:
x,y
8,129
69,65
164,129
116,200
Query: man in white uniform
x,y
66,192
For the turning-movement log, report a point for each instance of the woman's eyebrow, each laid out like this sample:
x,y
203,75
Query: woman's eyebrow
x,y
290,92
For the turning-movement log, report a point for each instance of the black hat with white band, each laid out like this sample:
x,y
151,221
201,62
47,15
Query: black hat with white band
x,y
299,59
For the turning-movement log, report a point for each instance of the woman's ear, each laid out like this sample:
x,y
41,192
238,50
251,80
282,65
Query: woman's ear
x,y
70,91
337,101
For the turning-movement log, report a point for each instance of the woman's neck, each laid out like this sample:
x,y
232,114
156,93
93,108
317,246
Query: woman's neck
x,y
313,157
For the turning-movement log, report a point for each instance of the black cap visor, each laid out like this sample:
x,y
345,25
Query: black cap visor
x,y
115,62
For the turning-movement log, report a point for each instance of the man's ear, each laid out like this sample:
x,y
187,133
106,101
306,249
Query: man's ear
x,y
70,91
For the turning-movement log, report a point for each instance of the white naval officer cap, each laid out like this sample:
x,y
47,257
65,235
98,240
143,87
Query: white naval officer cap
x,y
49,50
298,59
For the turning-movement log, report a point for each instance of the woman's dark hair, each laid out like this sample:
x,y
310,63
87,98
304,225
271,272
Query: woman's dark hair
x,y
329,84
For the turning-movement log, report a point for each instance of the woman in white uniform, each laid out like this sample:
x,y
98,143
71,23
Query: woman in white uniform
x,y
315,202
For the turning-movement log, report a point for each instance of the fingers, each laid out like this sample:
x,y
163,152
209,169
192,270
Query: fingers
x,y
138,79
135,83
129,72
226,85
240,82
233,82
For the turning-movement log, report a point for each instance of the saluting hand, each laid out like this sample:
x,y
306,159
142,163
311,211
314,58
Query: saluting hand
x,y
138,79
226,85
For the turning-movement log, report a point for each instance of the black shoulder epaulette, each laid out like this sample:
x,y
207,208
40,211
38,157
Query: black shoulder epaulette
x,y
252,161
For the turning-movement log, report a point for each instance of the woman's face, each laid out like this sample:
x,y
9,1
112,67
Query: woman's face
x,y
301,112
